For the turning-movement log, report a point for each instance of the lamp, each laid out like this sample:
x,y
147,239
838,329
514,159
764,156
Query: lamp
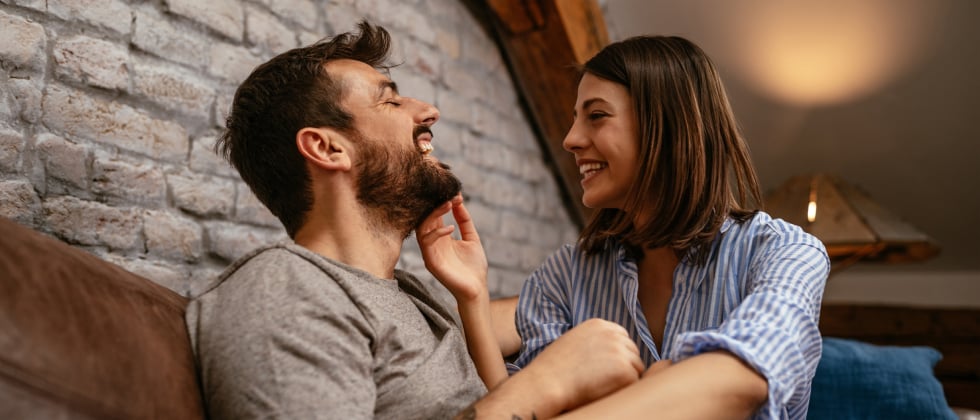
x,y
849,223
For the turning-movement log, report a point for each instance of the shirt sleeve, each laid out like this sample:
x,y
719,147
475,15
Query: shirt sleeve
x,y
285,341
542,312
775,328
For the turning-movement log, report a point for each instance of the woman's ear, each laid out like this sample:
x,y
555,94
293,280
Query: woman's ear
x,y
324,148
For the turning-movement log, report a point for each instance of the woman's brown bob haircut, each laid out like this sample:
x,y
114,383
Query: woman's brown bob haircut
x,y
282,96
692,157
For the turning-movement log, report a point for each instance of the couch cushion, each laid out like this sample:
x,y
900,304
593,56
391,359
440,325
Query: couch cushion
x,y
858,380
84,338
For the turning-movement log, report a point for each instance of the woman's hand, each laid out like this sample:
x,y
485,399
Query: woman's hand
x,y
459,264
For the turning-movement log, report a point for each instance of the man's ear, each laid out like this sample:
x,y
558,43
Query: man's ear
x,y
324,148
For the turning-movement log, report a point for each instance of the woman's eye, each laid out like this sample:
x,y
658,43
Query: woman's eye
x,y
393,103
597,115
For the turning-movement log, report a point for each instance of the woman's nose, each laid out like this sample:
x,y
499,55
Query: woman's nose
x,y
574,139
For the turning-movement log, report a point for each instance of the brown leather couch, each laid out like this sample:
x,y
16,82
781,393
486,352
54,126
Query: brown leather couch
x,y
83,338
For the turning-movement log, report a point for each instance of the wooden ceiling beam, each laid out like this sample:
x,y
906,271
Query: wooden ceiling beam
x,y
544,42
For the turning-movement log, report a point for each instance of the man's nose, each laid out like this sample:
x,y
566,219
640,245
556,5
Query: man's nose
x,y
427,114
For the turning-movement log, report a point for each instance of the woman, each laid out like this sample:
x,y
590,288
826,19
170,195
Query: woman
x,y
720,299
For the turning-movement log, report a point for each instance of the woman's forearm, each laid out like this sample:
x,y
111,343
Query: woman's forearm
x,y
715,385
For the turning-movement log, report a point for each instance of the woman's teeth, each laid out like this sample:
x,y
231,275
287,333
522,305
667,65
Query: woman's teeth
x,y
586,168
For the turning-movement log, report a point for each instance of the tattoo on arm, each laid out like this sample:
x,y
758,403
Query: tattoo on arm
x,y
468,414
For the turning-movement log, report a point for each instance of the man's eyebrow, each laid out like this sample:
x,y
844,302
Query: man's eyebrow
x,y
385,85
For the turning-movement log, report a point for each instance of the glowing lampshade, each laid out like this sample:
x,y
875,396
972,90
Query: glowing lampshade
x,y
849,223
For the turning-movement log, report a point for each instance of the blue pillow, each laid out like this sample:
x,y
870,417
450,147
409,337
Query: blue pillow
x,y
857,380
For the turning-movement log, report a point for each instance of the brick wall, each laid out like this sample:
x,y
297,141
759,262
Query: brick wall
x,y
109,110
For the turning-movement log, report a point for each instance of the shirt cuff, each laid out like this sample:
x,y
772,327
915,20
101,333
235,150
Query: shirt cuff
x,y
692,344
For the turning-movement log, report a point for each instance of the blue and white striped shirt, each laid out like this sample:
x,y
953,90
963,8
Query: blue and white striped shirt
x,y
758,296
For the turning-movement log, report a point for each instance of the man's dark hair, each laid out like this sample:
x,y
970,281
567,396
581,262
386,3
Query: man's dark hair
x,y
282,96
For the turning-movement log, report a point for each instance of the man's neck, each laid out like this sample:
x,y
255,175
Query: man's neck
x,y
345,234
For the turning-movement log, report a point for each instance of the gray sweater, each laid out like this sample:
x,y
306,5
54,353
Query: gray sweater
x,y
287,333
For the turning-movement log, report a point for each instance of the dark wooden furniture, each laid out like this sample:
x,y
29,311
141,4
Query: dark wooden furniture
x,y
954,332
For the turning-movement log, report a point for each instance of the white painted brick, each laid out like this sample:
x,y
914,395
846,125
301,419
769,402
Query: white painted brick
x,y
413,86
175,89
518,133
366,8
21,42
416,56
205,160
154,34
92,61
265,31
486,219
38,5
167,275
76,114
12,144
407,19
341,18
484,120
222,107
65,163
548,232
231,241
447,139
303,12
26,97
20,202
532,256
516,227
501,252
512,161
450,14
90,223
224,16
464,82
503,97
231,62
506,282
481,51
249,209
114,15
307,38
534,169
448,42
8,107
118,180
201,194
453,107
472,178
201,279
171,236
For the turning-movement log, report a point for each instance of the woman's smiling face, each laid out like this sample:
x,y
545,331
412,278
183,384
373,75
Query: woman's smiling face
x,y
604,140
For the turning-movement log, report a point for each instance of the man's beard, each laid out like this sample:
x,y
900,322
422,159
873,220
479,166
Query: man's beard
x,y
399,187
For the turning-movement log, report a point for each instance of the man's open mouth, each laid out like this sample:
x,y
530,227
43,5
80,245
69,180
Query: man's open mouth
x,y
423,139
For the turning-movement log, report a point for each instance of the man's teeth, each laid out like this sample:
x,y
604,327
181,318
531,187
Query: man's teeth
x,y
589,167
425,148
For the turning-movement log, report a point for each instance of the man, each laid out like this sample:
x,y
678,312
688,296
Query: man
x,y
323,326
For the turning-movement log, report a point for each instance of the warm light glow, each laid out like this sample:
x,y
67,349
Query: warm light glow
x,y
811,208
831,51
